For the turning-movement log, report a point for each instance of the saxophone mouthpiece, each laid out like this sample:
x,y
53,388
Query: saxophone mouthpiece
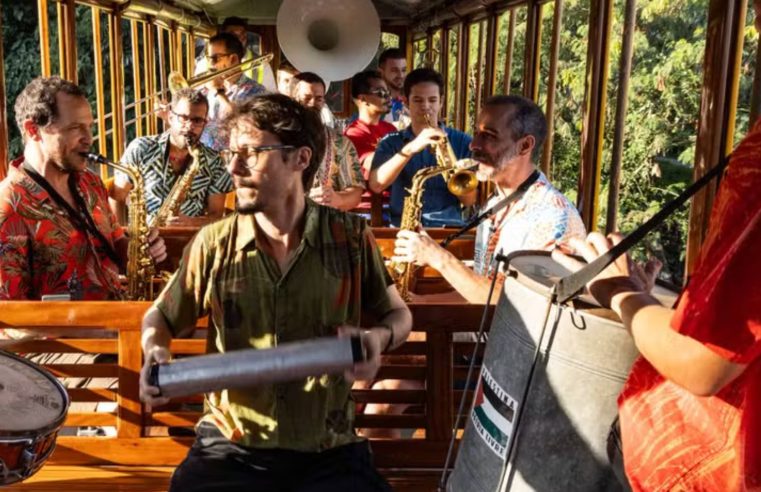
x,y
92,156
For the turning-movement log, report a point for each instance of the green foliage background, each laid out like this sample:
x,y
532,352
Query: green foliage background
x,y
664,96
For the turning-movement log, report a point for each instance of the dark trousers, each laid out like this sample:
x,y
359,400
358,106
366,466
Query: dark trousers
x,y
216,464
616,454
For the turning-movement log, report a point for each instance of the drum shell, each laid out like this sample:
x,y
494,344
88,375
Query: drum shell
x,y
582,366
22,453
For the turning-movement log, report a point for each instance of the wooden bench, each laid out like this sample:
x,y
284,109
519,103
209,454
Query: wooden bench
x,y
429,281
143,450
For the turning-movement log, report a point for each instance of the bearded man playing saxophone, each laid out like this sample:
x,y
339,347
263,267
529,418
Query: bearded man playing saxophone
x,y
164,159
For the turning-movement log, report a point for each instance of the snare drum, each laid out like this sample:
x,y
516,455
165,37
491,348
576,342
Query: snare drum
x,y
565,392
33,405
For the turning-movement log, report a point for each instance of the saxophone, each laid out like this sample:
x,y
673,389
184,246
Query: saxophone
x,y
140,267
171,205
412,209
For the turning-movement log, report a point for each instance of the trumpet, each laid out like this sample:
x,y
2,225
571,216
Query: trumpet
x,y
178,82
460,180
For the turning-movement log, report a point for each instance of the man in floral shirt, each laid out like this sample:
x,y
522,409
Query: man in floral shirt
x,y
339,182
225,51
58,235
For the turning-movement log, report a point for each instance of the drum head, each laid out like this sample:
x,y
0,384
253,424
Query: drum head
x,y
538,266
31,399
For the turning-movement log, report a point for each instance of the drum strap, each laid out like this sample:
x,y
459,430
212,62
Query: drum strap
x,y
512,197
569,286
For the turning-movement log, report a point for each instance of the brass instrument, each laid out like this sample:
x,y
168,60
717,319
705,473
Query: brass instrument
x,y
178,82
140,267
460,181
171,204
401,272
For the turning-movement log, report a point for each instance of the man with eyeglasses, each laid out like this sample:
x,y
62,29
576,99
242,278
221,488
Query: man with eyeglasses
x,y
373,100
338,182
281,269
224,51
163,159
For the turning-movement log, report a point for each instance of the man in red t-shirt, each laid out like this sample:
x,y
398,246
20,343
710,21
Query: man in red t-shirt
x,y
371,96
690,412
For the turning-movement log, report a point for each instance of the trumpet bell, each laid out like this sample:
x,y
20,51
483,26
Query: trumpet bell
x,y
462,182
333,38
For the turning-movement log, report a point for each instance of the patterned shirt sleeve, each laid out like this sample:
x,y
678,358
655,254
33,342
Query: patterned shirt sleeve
x,y
14,244
187,295
349,170
375,277
221,181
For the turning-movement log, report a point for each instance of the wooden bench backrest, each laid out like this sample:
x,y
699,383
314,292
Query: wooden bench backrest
x,y
429,361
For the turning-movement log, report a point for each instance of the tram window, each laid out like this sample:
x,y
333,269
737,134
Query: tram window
x,y
23,60
434,52
519,48
505,52
452,74
476,70
419,49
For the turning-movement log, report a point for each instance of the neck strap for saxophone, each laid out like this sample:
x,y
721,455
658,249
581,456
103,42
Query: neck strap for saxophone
x,y
80,219
511,198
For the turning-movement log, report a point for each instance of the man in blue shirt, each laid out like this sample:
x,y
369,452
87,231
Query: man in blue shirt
x,y
401,154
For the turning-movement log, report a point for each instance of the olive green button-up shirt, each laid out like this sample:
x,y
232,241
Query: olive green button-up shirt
x,y
336,273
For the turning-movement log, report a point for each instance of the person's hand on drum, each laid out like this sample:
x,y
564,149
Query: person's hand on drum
x,y
150,394
621,277
371,343
418,248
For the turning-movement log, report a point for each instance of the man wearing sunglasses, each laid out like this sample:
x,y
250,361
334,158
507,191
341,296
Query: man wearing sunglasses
x,y
225,51
163,159
281,269
373,100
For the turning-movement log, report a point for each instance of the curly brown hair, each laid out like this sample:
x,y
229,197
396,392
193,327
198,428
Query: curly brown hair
x,y
290,122
190,95
37,102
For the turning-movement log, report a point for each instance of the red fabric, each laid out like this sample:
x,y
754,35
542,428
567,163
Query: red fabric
x,y
674,440
43,253
366,137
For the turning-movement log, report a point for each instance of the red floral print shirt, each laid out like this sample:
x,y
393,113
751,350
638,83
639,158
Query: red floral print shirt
x,y
43,253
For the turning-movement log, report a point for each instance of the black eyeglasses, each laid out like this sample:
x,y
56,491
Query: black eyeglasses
x,y
246,152
217,57
195,120
384,93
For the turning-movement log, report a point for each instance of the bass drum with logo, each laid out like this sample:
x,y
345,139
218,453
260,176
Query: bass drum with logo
x,y
557,403
33,405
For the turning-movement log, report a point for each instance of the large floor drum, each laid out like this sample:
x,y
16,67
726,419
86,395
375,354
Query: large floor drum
x,y
561,438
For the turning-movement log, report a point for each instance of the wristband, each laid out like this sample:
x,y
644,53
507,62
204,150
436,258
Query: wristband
x,y
404,154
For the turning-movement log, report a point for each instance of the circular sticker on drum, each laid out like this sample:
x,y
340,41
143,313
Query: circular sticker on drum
x,y
29,399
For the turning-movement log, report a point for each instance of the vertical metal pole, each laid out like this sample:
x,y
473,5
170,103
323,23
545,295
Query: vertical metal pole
x,y
510,49
3,109
557,26
100,103
117,83
720,78
532,55
137,80
624,72
595,100
44,28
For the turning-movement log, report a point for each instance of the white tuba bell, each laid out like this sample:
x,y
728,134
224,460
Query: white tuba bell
x,y
332,38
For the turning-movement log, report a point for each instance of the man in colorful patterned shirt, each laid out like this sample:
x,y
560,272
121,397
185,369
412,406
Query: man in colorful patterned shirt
x,y
58,235
224,51
281,269
338,182
508,139
163,160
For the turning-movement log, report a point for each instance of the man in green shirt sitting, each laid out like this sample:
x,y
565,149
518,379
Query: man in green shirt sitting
x,y
279,270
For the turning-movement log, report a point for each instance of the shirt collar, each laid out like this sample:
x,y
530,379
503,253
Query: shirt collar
x,y
246,231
